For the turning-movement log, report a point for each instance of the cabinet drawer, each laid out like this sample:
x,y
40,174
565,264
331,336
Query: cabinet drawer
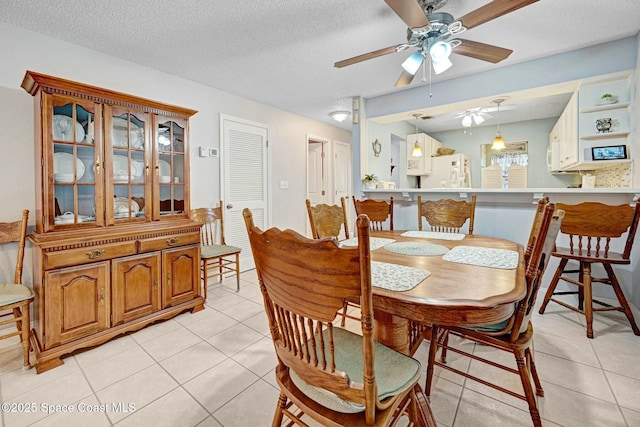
x,y
86,255
166,242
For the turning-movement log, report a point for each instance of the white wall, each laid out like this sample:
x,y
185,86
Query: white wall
x,y
23,50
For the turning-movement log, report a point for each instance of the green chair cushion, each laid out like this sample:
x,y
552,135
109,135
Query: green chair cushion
x,y
394,372
215,251
11,293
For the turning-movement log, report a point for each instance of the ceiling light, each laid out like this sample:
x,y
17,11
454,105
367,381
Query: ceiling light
x,y
417,149
478,119
440,50
466,120
413,62
339,116
442,65
498,142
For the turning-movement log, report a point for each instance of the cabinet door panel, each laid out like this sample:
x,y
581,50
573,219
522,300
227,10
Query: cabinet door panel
x,y
136,291
78,302
180,268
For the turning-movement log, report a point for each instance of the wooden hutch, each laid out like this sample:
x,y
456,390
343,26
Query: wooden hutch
x,y
114,249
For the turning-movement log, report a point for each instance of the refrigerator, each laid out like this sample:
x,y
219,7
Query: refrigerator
x,y
453,171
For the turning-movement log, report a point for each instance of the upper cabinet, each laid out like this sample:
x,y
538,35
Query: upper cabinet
x,y
421,165
106,158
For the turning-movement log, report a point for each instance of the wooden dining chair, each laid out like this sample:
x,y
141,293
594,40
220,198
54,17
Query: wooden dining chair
x,y
327,373
535,226
447,215
380,212
590,227
328,220
16,297
216,257
514,335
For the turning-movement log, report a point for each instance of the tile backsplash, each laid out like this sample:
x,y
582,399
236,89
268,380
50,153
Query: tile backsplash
x,y
614,176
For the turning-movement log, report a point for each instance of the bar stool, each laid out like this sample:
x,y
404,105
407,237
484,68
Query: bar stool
x,y
590,227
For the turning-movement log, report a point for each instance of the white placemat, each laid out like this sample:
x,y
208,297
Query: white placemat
x,y
433,235
484,257
374,242
416,248
396,277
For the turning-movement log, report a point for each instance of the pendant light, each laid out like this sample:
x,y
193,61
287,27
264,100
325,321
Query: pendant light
x,y
498,141
417,149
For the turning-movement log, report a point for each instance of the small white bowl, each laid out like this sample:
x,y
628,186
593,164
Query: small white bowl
x,y
165,179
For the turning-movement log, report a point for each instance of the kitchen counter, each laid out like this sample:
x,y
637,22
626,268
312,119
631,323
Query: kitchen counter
x,y
513,195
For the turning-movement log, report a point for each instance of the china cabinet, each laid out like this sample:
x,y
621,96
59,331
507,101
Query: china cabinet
x,y
114,249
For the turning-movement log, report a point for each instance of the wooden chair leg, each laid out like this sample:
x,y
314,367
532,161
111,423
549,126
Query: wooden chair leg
x,y
24,337
237,272
277,417
588,297
528,353
581,288
525,376
552,285
204,278
445,343
621,298
433,349
344,315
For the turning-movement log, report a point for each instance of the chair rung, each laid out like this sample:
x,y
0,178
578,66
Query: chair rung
x,y
564,304
12,334
480,380
575,282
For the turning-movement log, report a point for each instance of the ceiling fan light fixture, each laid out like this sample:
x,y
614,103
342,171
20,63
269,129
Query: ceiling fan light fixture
x,y
478,119
466,121
441,66
339,116
440,51
413,62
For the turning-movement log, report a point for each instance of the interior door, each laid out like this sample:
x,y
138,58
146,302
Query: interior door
x,y
316,182
244,180
342,177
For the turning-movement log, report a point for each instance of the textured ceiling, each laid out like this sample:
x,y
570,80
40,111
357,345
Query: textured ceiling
x,y
281,52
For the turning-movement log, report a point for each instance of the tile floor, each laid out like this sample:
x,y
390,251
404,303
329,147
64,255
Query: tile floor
x,y
215,368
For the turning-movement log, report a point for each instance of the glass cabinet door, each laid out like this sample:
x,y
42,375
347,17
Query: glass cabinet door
x,y
74,187
127,151
171,171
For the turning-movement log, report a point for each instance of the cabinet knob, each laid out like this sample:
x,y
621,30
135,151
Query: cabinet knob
x,y
95,253
229,206
172,241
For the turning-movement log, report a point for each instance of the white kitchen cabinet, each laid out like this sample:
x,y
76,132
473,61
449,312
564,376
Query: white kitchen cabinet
x,y
421,165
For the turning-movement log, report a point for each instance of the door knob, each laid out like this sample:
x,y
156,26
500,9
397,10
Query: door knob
x,y
229,206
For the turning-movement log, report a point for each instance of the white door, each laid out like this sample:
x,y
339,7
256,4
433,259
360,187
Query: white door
x,y
316,182
244,180
342,178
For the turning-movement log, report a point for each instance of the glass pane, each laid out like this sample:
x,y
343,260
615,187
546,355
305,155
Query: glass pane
x,y
171,160
73,165
128,144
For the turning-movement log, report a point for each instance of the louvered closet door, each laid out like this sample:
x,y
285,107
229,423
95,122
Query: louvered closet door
x,y
244,180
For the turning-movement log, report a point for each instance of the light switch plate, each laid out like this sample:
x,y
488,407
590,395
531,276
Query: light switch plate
x,y
202,151
213,152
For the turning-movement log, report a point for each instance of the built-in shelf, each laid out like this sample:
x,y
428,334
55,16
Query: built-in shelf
x,y
605,107
606,135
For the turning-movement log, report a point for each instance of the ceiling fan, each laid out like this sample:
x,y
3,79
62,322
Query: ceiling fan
x,y
433,34
477,116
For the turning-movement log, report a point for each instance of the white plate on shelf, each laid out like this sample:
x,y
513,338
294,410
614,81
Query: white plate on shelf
x,y
69,218
63,129
165,168
120,168
63,164
121,207
119,133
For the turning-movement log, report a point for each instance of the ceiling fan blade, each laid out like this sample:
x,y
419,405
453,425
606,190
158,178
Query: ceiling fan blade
x,y
404,79
365,56
410,12
492,10
483,51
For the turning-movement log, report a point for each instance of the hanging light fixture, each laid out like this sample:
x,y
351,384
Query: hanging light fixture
x,y
498,141
413,62
417,149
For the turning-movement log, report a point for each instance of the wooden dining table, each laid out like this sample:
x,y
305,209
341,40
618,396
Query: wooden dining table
x,y
453,294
